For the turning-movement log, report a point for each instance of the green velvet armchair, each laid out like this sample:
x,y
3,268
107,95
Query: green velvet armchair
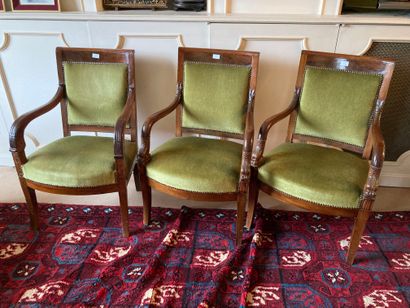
x,y
96,94
334,150
215,97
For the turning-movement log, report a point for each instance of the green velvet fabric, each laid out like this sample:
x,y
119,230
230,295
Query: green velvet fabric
x,y
96,93
322,175
215,96
337,105
197,164
77,161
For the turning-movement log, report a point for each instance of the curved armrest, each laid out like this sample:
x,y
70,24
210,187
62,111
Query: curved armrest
x,y
143,153
378,141
377,158
122,122
267,125
247,144
17,143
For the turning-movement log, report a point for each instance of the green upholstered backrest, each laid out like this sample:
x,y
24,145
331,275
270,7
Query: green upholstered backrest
x,y
215,96
337,105
96,92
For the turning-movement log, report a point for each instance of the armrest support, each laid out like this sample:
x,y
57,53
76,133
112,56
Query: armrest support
x,y
247,145
143,153
267,125
122,122
377,158
377,139
17,143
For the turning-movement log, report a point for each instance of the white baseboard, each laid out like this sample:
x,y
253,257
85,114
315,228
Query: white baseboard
x,y
396,173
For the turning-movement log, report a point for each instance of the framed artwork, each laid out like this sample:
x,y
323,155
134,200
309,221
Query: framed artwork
x,y
36,5
135,4
2,6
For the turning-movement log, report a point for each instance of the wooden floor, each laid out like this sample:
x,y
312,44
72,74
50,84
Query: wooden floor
x,y
388,199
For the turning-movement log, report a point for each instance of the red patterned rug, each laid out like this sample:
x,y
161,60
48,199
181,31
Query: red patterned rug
x,y
187,258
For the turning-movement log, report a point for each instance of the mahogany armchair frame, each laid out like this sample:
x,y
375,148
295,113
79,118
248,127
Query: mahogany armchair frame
x,y
203,55
373,149
125,125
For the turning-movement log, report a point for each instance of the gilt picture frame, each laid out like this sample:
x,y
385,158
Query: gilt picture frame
x,y
135,4
36,5
2,6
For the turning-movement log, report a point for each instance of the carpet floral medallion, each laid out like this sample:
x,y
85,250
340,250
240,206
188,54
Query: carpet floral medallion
x,y
187,258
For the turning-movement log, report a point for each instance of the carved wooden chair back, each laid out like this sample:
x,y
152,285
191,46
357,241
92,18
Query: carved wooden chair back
x,y
210,60
364,74
91,114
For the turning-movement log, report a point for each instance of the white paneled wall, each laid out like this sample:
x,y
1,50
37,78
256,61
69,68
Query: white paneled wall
x,y
314,7
357,39
29,77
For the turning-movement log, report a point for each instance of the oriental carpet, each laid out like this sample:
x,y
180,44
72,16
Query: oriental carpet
x,y
187,258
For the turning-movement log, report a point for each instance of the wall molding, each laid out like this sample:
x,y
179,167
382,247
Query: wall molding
x,y
8,35
7,38
321,10
243,39
210,6
382,40
322,6
334,8
123,37
396,173
339,7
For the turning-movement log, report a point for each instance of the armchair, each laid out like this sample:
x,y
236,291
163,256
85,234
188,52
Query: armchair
x,y
334,149
96,94
215,97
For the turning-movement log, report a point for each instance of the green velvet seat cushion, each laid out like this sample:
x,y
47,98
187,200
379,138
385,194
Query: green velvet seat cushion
x,y
337,104
215,96
77,161
321,175
197,164
96,93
